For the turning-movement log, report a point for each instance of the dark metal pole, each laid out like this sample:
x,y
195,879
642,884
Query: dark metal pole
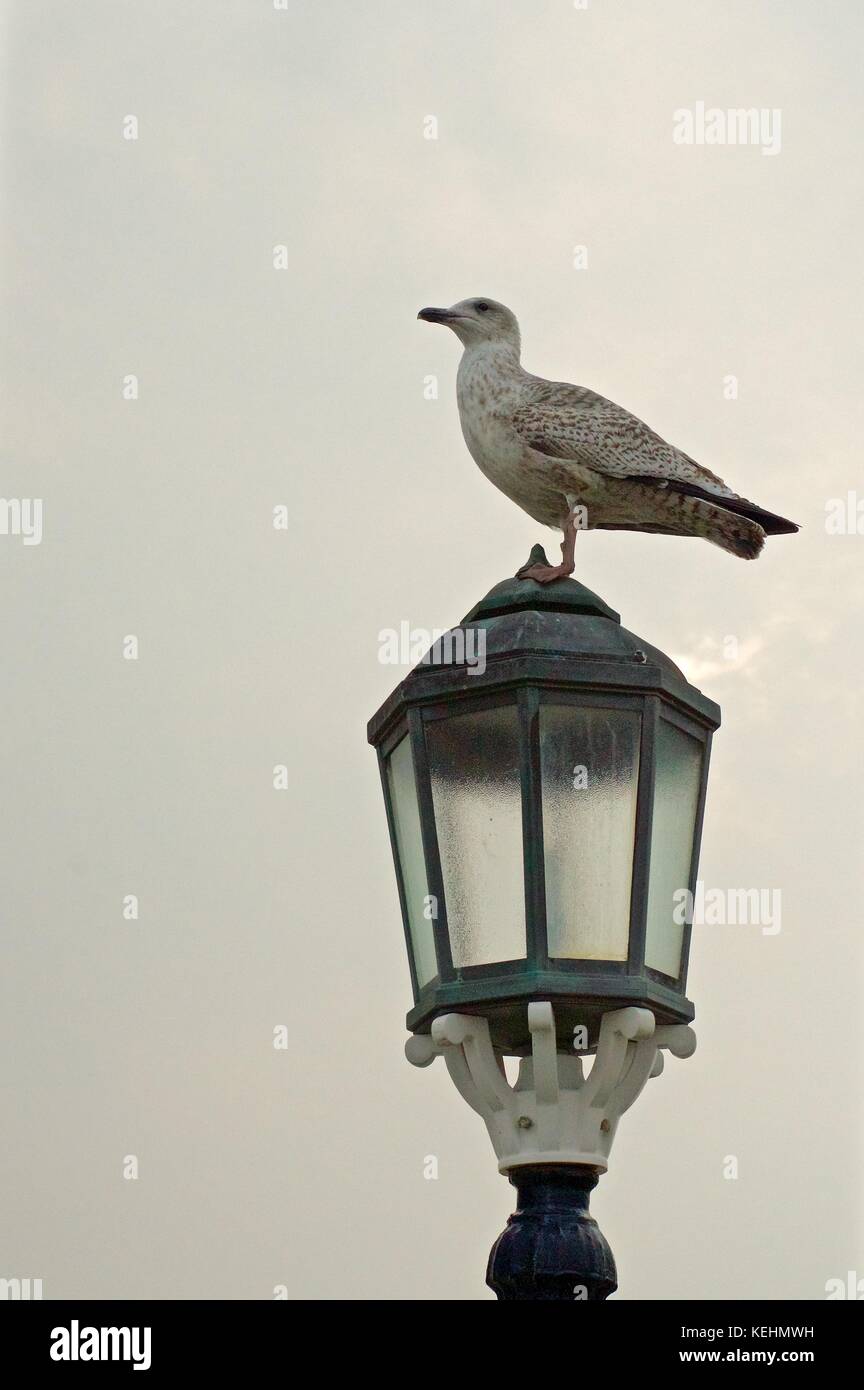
x,y
552,1248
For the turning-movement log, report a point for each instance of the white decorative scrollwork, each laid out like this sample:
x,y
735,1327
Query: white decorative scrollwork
x,y
554,1113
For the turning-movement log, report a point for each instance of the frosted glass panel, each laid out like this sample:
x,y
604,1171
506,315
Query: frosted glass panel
x,y
676,794
474,765
409,842
589,762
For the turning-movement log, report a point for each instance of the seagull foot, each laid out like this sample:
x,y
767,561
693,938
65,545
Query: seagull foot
x,y
545,574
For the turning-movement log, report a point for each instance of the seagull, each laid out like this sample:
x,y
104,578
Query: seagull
x,y
574,460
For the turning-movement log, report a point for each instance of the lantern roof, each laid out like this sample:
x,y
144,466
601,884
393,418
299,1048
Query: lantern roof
x,y
566,617
555,632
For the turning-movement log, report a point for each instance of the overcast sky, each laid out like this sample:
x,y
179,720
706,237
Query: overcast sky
x,y
304,384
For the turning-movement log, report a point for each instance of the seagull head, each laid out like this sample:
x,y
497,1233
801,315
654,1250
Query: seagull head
x,y
478,322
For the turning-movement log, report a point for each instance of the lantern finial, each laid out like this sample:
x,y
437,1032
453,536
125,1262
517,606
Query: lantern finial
x,y
537,557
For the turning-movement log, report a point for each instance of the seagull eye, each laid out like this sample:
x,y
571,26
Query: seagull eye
x,y
481,307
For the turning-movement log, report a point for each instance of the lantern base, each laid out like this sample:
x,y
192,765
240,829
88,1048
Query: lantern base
x,y
552,1248
578,1000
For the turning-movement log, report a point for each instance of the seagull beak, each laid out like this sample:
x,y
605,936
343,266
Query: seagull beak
x,y
437,316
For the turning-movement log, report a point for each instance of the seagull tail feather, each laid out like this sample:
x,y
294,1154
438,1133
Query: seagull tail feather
x,y
685,510
771,523
730,529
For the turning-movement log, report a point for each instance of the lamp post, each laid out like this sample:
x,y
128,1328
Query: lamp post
x,y
544,776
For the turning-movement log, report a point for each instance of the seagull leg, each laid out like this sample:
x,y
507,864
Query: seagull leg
x,y
545,574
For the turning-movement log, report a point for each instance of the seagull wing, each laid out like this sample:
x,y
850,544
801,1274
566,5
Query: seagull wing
x,y
571,422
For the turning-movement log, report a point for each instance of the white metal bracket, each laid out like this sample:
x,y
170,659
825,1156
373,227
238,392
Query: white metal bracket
x,y
554,1113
